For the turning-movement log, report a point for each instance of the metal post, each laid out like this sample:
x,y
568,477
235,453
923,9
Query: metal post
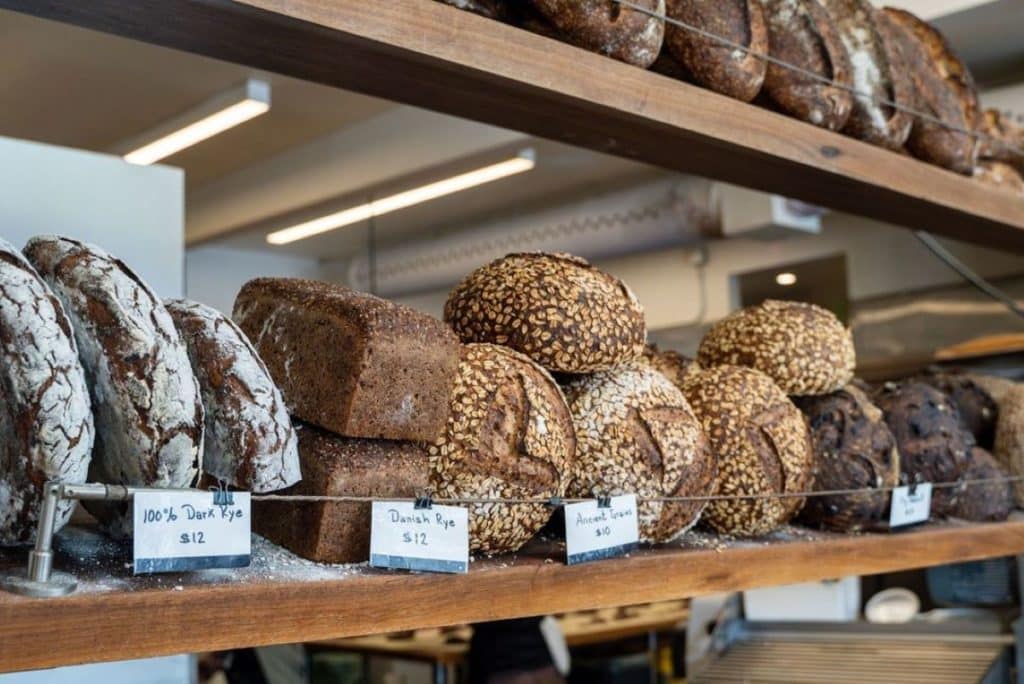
x,y
39,579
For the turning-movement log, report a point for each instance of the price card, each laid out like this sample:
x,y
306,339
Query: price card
x,y
593,532
434,539
179,531
910,508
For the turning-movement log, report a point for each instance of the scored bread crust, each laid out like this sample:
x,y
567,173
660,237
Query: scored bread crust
x,y
146,404
609,28
46,423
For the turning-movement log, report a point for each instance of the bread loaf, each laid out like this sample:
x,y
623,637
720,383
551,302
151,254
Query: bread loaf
x,y
978,411
1002,141
492,9
349,362
46,426
802,347
606,27
636,434
983,501
763,447
801,33
145,399
716,64
1009,441
509,435
557,309
673,365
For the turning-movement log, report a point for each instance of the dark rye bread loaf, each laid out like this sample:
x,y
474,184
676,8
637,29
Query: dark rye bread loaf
x,y
46,427
145,398
713,63
509,435
339,532
673,365
978,410
250,442
983,501
763,447
804,348
636,434
800,32
611,29
350,362
556,308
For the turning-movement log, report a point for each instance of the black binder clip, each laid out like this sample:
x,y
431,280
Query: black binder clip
x,y
556,502
424,502
222,496
604,501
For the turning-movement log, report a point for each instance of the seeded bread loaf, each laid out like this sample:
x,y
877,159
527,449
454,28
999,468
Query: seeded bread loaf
x,y
802,347
557,309
763,447
339,532
145,398
349,362
250,442
673,365
978,410
1009,441
606,27
46,426
510,435
636,434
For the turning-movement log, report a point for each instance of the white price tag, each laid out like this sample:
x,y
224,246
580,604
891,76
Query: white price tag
x,y
179,531
593,532
910,508
434,539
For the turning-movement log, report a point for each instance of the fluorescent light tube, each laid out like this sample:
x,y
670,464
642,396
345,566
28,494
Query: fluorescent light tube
x,y
518,164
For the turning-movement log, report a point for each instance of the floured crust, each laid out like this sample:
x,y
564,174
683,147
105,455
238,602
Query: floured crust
x,y
608,28
145,398
46,425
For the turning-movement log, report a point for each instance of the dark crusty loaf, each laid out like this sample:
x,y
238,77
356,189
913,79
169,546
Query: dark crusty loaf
x,y
713,63
800,32
609,28
853,449
803,347
339,532
350,362
46,427
978,410
983,501
145,398
510,435
673,365
557,309
250,442
763,447
636,434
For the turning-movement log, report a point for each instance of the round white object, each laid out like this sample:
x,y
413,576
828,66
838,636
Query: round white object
x,y
892,606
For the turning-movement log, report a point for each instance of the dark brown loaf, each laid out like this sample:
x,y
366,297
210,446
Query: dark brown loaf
x,y
145,398
46,426
715,64
801,33
636,434
339,532
510,435
250,442
983,501
557,309
606,27
350,362
673,365
978,410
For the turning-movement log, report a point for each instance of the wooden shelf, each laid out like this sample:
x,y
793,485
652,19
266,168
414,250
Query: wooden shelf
x,y
283,599
428,54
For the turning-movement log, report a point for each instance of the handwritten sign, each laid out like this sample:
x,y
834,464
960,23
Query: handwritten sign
x,y
909,508
180,531
593,532
434,539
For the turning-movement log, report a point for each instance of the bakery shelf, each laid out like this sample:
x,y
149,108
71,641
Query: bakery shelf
x,y
428,54
282,598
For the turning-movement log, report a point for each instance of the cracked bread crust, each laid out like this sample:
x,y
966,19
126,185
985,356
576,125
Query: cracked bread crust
x,y
146,404
605,27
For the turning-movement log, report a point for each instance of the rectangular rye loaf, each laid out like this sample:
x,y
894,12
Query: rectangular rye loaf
x,y
349,362
340,466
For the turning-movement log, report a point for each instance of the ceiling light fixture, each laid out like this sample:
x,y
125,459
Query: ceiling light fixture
x,y
786,279
524,161
214,116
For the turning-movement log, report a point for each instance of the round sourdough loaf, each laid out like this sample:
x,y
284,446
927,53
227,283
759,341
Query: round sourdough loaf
x,y
978,410
636,434
606,27
557,309
802,347
46,427
250,442
509,436
146,404
984,501
673,365
853,449
763,447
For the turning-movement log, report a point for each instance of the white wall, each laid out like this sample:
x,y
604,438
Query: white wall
x,y
213,275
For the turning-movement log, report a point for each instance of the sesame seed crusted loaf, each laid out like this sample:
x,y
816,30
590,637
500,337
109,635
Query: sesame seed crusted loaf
x,y
609,28
673,365
556,308
250,442
145,398
636,434
763,447
509,435
46,426
802,347
350,362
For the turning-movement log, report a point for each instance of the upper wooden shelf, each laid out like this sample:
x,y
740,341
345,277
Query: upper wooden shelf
x,y
283,599
424,53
